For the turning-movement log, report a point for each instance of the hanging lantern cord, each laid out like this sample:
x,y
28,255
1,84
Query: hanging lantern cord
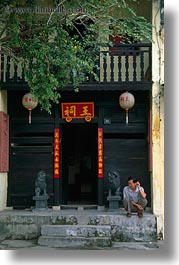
x,y
127,116
30,116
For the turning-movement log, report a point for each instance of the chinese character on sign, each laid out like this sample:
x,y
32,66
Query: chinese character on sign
x,y
100,153
70,111
78,110
56,153
85,111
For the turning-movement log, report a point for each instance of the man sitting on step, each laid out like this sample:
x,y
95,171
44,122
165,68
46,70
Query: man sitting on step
x,y
134,197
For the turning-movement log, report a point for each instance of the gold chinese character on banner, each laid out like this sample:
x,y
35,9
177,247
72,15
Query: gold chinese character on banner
x,y
85,111
70,111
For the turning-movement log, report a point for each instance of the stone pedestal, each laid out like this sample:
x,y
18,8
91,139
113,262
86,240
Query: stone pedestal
x,y
41,202
101,208
56,208
114,202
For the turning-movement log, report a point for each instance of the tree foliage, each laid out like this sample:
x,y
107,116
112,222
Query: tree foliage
x,y
57,43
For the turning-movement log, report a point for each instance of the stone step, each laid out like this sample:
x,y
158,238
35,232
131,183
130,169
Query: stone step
x,y
79,207
76,230
25,224
75,242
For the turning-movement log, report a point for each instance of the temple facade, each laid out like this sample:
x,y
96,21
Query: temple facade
x,y
89,135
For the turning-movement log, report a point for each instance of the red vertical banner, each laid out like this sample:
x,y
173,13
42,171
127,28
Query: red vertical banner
x,y
4,142
100,153
56,153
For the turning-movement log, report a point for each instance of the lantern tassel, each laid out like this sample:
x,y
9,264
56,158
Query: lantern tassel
x,y
30,116
127,117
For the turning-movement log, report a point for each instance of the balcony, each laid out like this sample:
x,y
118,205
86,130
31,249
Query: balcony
x,y
121,66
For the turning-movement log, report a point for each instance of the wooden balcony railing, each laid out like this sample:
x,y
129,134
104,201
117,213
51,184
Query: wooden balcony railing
x,y
118,64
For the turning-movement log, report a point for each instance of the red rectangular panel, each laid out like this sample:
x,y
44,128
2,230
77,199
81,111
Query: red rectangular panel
x,y
56,153
100,154
78,110
4,142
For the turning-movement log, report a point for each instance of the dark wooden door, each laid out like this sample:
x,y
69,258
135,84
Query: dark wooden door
x,y
31,150
129,157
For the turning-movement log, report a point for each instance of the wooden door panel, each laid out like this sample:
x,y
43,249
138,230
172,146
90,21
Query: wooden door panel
x,y
129,157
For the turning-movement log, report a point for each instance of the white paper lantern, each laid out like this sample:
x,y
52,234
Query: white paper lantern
x,y
29,102
126,101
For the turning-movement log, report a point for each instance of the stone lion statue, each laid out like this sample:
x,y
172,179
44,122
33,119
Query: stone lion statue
x,y
40,184
114,183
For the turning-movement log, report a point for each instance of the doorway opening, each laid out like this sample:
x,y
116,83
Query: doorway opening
x,y
79,164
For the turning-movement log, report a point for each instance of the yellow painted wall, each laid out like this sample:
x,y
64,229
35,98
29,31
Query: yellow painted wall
x,y
157,177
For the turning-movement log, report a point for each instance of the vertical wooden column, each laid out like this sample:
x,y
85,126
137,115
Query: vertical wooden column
x,y
100,167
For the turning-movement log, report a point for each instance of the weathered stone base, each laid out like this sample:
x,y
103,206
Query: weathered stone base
x,y
74,236
75,242
41,203
114,202
76,230
27,224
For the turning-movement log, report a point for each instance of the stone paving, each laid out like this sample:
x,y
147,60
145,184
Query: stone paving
x,y
10,244
19,217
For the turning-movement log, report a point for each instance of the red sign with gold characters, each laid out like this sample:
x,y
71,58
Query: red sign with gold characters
x,y
100,153
78,110
56,153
